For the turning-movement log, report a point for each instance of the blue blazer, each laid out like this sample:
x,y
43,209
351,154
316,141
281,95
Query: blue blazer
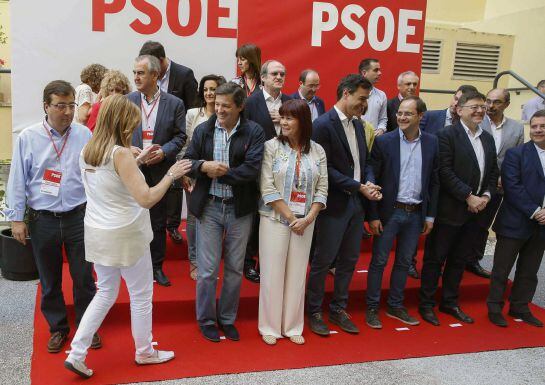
x,y
328,131
433,121
257,111
320,106
523,184
169,131
385,159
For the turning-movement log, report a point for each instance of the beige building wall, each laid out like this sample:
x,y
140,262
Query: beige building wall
x,y
5,86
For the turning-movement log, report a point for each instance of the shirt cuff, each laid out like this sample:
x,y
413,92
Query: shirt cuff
x,y
269,198
14,215
430,219
487,193
535,212
320,199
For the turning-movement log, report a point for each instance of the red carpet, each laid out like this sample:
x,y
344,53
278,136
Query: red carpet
x,y
175,329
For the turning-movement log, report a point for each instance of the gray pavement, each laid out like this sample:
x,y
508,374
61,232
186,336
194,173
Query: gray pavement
x,y
512,367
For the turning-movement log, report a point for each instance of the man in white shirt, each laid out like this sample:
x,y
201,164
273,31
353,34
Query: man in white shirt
x,y
535,104
376,105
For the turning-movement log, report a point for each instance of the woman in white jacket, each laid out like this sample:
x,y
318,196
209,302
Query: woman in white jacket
x,y
293,189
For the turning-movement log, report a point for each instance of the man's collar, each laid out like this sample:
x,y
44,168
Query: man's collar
x,y
167,72
400,97
155,96
539,150
469,132
404,138
267,95
52,130
499,125
218,125
313,100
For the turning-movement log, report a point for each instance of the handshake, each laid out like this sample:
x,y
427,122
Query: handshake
x,y
371,191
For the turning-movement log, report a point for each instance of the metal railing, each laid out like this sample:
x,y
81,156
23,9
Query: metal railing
x,y
520,79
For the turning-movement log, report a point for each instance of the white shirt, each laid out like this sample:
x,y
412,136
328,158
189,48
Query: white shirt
x,y
376,109
448,118
497,132
149,111
273,105
163,83
312,106
477,145
350,132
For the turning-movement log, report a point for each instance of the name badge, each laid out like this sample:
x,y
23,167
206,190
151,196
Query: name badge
x,y
297,203
51,182
147,138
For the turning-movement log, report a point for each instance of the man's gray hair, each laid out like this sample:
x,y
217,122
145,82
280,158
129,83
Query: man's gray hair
x,y
403,74
265,66
153,63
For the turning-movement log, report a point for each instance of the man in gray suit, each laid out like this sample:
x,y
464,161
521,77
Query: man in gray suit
x,y
507,133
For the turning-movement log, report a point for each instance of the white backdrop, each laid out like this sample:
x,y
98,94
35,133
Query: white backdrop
x,y
53,39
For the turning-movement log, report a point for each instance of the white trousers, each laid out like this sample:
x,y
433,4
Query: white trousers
x,y
283,260
139,280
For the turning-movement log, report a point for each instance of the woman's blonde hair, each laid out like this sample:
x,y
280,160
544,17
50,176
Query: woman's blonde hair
x,y
116,82
117,119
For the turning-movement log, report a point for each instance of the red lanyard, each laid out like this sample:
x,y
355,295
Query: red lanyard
x,y
249,91
59,153
298,169
150,112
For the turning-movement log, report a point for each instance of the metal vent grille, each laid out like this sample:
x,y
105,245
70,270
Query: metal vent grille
x,y
476,61
431,56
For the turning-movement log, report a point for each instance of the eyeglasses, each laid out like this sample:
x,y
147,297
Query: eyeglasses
x,y
276,73
64,106
400,114
313,86
496,102
476,107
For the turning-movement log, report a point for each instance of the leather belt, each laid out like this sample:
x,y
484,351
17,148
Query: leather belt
x,y
225,201
408,207
60,214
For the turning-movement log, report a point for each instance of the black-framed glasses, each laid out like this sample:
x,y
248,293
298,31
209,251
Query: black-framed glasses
x,y
476,107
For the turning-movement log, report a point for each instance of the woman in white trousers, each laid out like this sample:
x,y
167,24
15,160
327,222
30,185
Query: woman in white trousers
x,y
118,229
293,189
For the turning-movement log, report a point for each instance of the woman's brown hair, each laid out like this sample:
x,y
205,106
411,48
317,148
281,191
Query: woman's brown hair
x,y
298,109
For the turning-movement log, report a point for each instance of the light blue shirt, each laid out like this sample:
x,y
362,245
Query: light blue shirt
x,y
32,155
222,140
410,170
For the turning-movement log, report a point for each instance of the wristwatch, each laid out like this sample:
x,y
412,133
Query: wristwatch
x,y
170,174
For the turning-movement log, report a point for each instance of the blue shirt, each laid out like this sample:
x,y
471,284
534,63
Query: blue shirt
x,y
33,154
222,140
410,170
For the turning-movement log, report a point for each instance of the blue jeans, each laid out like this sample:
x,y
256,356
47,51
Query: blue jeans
x,y
190,231
218,229
406,226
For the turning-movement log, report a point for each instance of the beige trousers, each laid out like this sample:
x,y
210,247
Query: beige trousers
x,y
283,260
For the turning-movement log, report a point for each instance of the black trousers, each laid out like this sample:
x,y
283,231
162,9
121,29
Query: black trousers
x,y
48,236
158,216
175,197
252,248
475,244
530,253
443,248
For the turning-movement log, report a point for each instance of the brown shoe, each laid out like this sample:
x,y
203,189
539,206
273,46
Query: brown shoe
x,y
56,341
97,342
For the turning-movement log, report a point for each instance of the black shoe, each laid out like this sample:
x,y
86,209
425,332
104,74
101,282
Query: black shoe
x,y
342,320
251,274
160,277
317,324
527,317
497,319
210,332
477,269
401,314
428,315
230,332
413,273
96,342
175,235
457,313
372,320
366,234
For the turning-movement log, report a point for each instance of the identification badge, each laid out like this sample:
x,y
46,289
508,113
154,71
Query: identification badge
x,y
51,182
297,203
147,138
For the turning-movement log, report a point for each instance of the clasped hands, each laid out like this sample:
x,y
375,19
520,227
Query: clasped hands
x,y
371,191
540,216
476,204
298,225
214,169
149,156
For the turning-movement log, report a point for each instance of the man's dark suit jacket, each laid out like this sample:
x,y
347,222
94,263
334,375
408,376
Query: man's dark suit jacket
x,y
320,106
328,131
386,162
256,110
391,110
523,184
182,84
433,121
459,173
169,131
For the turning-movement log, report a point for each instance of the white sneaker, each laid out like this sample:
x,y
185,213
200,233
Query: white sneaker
x,y
157,357
78,367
